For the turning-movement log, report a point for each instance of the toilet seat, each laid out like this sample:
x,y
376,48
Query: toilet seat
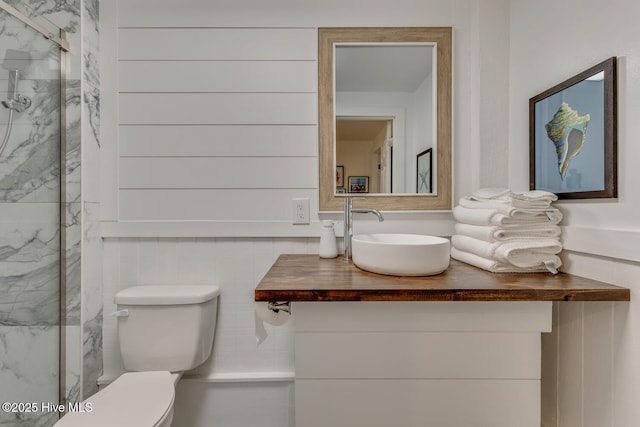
x,y
137,399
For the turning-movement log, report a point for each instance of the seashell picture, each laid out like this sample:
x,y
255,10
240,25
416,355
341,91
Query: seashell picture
x,y
572,136
567,131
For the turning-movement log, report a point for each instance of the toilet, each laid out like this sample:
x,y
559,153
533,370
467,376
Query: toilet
x,y
163,331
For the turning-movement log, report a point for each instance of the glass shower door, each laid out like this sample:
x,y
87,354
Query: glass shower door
x,y
30,135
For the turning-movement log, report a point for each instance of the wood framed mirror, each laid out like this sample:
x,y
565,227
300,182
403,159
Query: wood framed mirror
x,y
375,92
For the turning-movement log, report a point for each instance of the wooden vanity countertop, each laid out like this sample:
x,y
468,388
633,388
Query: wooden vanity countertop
x,y
311,278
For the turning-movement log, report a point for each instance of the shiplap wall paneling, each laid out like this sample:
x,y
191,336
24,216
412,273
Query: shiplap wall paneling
x,y
228,44
217,76
223,141
217,108
223,120
212,204
218,172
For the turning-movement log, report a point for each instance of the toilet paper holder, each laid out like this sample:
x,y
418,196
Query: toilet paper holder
x,y
278,306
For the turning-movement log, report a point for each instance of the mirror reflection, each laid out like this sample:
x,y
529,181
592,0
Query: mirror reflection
x,y
364,148
384,104
379,88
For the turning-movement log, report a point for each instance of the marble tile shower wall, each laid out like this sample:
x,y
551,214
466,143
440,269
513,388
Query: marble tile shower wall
x,y
91,240
30,233
29,213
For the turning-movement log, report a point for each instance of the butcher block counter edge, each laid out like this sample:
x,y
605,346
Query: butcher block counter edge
x,y
311,278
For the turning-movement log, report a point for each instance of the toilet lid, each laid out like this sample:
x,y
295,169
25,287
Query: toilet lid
x,y
139,399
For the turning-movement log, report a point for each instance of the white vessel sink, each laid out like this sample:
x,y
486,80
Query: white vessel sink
x,y
401,254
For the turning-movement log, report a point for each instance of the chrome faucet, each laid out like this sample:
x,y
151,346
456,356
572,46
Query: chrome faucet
x,y
348,223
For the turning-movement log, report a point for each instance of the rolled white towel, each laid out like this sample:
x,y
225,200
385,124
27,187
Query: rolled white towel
x,y
501,267
493,233
502,251
493,217
477,247
528,232
520,253
530,254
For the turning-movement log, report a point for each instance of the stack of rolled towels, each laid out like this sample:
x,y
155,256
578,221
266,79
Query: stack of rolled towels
x,y
506,232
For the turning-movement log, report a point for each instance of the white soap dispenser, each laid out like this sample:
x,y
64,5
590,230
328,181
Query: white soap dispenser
x,y
328,243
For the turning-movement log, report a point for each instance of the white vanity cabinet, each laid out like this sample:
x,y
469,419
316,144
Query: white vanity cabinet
x,y
383,364
459,349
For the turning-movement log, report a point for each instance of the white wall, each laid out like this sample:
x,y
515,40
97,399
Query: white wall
x,y
189,96
193,191
592,360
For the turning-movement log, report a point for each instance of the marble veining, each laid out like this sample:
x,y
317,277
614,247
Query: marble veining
x,y
91,243
71,263
92,355
92,15
72,144
30,236
92,95
30,197
29,177
63,13
73,362
30,165
25,376
91,69
29,200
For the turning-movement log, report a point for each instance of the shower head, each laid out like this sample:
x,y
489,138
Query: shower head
x,y
16,60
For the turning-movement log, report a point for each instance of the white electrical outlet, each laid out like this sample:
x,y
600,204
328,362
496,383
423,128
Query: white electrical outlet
x,y
300,211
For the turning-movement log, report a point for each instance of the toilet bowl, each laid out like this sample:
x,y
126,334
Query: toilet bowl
x,y
133,399
163,331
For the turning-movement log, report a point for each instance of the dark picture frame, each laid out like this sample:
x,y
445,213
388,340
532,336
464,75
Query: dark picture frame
x,y
424,177
358,184
573,136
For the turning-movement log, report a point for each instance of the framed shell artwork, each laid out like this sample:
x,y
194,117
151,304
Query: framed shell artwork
x,y
573,136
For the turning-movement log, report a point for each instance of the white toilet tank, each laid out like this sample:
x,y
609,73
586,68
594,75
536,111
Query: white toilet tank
x,y
166,327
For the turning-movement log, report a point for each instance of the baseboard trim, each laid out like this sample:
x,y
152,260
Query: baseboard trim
x,y
242,377
227,377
